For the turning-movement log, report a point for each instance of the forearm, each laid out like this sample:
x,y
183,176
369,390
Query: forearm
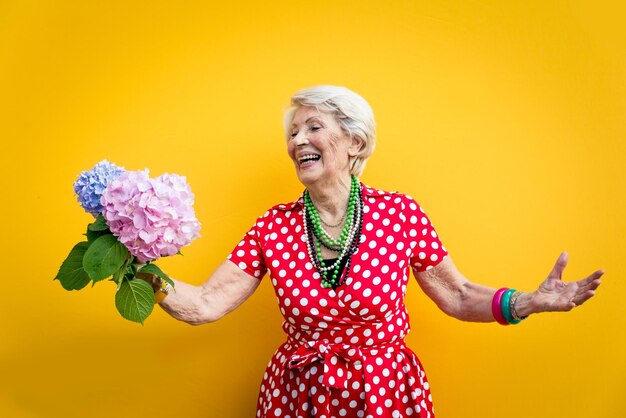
x,y
475,305
227,288
465,300
185,303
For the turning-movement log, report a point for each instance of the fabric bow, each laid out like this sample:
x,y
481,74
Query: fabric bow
x,y
334,356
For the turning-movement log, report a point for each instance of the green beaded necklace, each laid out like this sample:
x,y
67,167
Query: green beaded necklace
x,y
345,244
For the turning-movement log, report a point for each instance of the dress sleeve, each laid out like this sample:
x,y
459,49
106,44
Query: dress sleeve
x,y
248,254
427,249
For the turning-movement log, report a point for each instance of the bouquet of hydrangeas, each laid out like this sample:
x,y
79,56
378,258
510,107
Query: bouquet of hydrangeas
x,y
137,220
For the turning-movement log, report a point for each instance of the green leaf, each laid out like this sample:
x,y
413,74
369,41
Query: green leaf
x,y
99,224
94,235
118,275
135,300
104,257
154,269
72,275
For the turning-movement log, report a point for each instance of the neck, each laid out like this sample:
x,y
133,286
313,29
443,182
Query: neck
x,y
330,199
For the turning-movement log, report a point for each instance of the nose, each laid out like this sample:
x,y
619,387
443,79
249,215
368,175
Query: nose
x,y
300,139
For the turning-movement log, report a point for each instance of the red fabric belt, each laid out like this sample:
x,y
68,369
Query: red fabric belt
x,y
335,357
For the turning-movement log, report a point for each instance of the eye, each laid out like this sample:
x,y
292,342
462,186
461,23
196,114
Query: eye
x,y
293,134
315,128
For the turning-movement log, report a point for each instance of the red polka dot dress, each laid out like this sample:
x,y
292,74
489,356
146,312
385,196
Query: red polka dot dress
x,y
345,354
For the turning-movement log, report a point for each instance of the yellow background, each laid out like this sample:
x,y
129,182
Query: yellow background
x,y
505,120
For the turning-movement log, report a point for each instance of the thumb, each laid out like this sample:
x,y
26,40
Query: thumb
x,y
559,266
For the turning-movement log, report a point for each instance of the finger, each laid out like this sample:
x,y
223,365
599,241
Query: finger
x,y
592,285
579,300
559,266
591,278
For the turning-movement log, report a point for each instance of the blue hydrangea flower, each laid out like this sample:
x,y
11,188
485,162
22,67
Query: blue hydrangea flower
x,y
91,184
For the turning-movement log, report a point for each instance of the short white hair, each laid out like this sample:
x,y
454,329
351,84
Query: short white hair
x,y
351,111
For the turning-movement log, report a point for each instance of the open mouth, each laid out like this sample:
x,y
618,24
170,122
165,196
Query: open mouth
x,y
308,159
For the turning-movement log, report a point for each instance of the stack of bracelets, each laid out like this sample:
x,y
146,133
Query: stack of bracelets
x,y
503,306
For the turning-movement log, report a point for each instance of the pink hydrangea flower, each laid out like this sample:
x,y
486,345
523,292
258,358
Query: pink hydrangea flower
x,y
151,217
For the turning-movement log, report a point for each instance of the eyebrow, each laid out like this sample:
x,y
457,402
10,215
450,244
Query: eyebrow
x,y
306,121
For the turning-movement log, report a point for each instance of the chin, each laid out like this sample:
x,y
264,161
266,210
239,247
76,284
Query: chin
x,y
308,177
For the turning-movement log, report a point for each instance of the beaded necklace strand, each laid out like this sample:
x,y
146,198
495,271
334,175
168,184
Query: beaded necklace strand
x,y
343,218
346,244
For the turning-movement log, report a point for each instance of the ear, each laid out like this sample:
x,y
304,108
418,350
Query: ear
x,y
356,144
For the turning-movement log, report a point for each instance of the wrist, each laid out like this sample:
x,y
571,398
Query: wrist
x,y
524,305
162,291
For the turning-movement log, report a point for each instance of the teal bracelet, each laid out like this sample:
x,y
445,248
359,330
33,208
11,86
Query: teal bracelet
x,y
512,307
506,307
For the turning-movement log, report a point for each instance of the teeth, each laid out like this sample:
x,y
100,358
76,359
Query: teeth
x,y
309,157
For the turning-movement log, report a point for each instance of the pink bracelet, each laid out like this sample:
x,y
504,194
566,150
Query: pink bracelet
x,y
496,309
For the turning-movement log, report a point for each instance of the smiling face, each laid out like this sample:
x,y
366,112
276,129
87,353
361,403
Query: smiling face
x,y
319,148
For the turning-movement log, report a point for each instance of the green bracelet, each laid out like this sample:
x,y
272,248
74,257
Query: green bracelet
x,y
512,307
505,305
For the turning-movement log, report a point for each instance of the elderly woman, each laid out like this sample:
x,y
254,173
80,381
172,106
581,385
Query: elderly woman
x,y
339,259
